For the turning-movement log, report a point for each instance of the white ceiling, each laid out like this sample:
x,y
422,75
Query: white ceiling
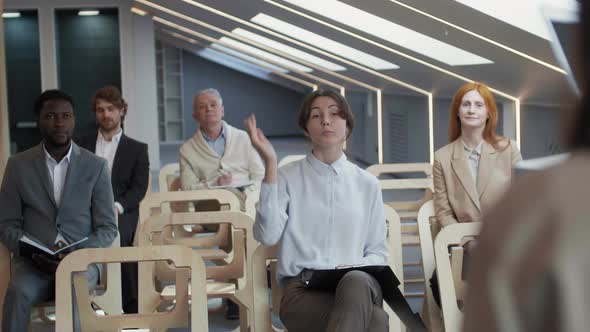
x,y
509,73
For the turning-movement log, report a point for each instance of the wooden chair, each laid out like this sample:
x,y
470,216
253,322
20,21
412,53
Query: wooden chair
x,y
182,257
431,313
110,301
451,235
169,178
407,211
265,256
290,158
394,237
156,203
230,280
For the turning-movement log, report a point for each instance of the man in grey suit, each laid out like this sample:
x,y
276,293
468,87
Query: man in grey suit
x,y
53,192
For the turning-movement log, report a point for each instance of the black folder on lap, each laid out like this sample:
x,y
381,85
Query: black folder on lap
x,y
327,280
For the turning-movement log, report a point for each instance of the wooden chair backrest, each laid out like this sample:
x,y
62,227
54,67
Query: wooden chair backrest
x,y
169,173
450,235
185,259
238,270
424,183
430,310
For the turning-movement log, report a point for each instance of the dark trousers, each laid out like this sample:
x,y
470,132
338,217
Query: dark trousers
x,y
355,306
30,286
127,225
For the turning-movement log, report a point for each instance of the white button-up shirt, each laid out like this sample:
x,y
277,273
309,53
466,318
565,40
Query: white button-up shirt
x,y
323,215
473,157
107,150
57,174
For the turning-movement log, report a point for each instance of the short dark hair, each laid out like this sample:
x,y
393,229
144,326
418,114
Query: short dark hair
x,y
343,108
111,94
54,94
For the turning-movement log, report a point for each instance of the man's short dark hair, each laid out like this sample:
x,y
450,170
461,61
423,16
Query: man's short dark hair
x,y
111,94
47,95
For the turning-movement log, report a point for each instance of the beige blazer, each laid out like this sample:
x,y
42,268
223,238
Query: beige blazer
x,y
456,196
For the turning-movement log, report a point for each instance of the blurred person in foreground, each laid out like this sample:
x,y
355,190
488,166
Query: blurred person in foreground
x,y
529,273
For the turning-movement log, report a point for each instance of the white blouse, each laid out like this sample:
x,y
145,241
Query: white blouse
x,y
323,215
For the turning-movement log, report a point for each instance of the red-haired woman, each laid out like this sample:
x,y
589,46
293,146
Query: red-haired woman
x,y
475,168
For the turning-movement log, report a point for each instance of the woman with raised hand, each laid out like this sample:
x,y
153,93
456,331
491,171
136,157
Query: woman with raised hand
x,y
324,212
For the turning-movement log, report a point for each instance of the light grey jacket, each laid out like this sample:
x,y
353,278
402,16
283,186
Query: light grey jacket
x,y
27,204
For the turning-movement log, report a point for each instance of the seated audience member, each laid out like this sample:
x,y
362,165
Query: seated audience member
x,y
55,193
218,154
324,212
129,164
475,168
530,271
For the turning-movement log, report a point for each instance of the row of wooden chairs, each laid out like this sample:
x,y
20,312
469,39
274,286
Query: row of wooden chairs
x,y
435,254
419,228
255,303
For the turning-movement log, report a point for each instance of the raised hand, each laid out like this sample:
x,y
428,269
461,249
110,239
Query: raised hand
x,y
264,148
260,142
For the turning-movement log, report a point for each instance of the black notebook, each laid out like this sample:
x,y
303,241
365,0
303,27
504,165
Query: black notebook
x,y
29,245
327,280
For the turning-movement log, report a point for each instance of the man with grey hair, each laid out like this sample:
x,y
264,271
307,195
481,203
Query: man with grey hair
x,y
218,155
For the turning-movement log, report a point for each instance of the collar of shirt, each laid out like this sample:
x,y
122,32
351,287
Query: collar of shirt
x,y
115,138
323,168
476,151
49,158
209,139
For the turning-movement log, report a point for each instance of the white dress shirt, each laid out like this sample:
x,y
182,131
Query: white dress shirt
x,y
57,174
107,150
323,215
473,157
218,144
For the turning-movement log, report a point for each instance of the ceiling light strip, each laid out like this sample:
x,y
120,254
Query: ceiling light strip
x,y
246,40
425,63
296,42
242,58
213,40
288,49
369,41
486,39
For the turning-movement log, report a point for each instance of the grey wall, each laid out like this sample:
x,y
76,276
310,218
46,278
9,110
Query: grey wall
x,y
540,130
405,129
275,107
362,145
88,58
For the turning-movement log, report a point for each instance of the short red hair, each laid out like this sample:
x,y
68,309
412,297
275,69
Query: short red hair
x,y
489,132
